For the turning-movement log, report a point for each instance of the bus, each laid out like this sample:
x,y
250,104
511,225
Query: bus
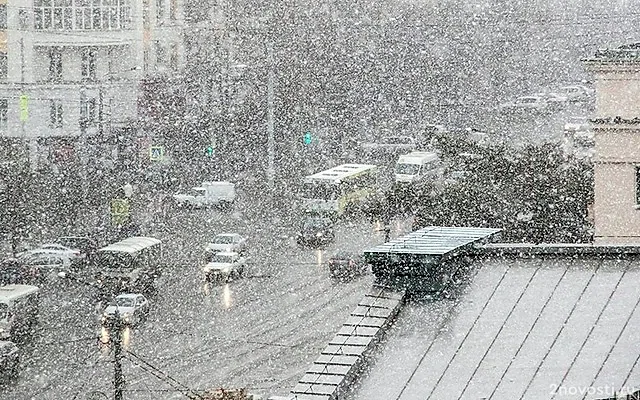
x,y
19,307
339,189
130,265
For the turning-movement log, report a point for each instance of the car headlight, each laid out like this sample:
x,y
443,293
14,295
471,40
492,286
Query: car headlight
x,y
319,234
226,269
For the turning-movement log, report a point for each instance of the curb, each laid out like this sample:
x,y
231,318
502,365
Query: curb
x,y
343,359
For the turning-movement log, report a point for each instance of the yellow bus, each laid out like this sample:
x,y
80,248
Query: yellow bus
x,y
339,189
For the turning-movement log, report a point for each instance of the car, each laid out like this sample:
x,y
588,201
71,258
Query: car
x,y
9,360
575,124
53,248
554,100
538,103
577,93
316,231
132,308
391,144
228,242
526,103
85,245
40,266
224,266
347,265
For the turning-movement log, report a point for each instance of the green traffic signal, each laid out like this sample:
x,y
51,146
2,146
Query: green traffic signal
x,y
209,151
307,138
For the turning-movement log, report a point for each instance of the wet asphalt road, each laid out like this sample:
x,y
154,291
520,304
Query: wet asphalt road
x,y
259,332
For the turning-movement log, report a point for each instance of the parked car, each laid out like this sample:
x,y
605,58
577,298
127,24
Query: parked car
x,y
85,245
554,100
208,194
391,144
316,231
577,93
526,103
228,242
132,308
575,124
224,266
53,248
347,265
9,360
41,266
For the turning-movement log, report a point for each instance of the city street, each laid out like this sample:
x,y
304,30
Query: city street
x,y
259,332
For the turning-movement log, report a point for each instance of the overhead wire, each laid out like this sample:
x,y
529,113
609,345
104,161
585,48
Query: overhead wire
x,y
161,375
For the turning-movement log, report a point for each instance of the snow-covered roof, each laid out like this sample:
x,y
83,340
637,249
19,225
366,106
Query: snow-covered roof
x,y
132,244
434,240
336,174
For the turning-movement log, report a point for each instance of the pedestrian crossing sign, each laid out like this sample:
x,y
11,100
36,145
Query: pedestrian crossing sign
x,y
156,153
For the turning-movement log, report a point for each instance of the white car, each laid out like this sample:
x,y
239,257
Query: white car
x,y
54,249
208,194
538,103
553,98
43,265
224,266
391,144
577,92
228,242
577,124
132,308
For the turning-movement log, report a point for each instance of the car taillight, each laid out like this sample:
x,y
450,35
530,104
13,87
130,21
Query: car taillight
x,y
352,263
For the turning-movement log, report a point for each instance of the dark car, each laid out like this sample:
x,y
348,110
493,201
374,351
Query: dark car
x,y
85,245
316,231
347,265
9,360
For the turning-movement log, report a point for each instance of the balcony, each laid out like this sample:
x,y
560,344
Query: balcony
x,y
115,17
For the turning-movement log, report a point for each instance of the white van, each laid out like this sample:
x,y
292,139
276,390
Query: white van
x,y
417,166
19,305
208,194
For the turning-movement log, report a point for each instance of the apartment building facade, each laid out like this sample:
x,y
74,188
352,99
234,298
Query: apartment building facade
x,y
70,69
616,128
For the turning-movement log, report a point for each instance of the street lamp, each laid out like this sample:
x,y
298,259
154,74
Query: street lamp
x,y
115,325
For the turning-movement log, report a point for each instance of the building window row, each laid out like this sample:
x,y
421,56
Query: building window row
x,y
88,113
81,14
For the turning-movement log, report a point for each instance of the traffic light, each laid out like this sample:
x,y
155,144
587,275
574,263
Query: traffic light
x,y
307,138
208,151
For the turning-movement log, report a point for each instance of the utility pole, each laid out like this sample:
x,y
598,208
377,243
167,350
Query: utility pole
x,y
118,378
270,119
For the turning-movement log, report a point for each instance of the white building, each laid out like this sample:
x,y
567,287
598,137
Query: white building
x,y
617,145
71,68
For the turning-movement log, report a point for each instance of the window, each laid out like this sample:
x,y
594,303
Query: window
x,y
4,66
23,20
88,55
55,64
159,10
173,9
160,54
55,114
3,16
88,112
174,56
638,185
4,108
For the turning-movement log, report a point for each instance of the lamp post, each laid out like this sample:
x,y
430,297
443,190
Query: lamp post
x,y
115,328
